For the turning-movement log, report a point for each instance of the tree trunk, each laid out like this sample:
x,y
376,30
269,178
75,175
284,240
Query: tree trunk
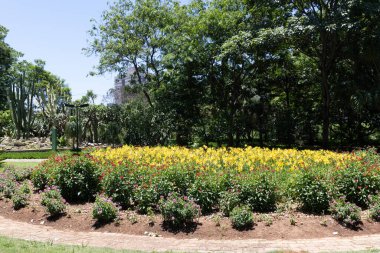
x,y
325,108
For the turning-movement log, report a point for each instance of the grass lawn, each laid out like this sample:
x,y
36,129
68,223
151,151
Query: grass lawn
x,y
8,245
26,155
17,165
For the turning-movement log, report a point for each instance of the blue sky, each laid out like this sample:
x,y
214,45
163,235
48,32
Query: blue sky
x,y
56,31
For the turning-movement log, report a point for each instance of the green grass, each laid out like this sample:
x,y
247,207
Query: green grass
x,y
8,245
31,154
17,165
26,155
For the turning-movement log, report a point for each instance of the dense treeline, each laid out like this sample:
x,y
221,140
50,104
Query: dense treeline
x,y
238,71
235,72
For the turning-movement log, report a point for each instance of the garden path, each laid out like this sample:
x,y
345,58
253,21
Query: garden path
x,y
27,231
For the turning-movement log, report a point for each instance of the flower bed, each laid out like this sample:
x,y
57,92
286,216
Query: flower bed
x,y
144,178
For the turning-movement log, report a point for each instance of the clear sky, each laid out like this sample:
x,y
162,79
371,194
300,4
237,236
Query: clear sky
x,y
56,31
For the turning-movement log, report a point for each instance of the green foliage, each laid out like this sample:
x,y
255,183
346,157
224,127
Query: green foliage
x,y
77,176
311,192
118,184
344,212
40,176
145,197
104,210
20,174
21,196
26,155
374,210
357,182
178,210
257,191
5,123
241,217
52,199
25,189
205,190
228,201
7,186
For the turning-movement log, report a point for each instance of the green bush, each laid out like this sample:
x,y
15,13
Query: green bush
x,y
77,176
346,213
19,174
311,192
357,182
205,190
145,196
25,189
374,210
53,202
241,217
178,210
118,184
228,201
19,199
42,175
7,187
104,210
257,191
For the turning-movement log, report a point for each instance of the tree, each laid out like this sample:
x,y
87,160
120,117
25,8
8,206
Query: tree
x,y
6,60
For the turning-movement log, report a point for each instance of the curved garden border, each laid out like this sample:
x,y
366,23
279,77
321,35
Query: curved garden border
x,y
41,233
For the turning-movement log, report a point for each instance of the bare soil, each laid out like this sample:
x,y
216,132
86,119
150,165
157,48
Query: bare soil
x,y
276,225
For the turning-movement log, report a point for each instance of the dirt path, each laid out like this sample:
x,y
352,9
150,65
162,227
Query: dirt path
x,y
15,229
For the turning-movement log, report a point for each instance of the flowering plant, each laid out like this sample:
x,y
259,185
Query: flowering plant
x,y
104,210
178,210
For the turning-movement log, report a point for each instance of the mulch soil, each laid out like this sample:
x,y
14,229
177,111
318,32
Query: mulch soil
x,y
275,225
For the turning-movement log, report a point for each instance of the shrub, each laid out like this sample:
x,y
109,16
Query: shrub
x,y
241,217
76,176
53,201
311,192
228,201
178,210
257,191
346,213
19,199
118,183
7,187
374,210
145,197
104,210
205,190
357,182
40,176
25,189
19,174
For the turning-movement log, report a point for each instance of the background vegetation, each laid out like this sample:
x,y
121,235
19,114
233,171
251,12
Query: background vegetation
x,y
235,72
